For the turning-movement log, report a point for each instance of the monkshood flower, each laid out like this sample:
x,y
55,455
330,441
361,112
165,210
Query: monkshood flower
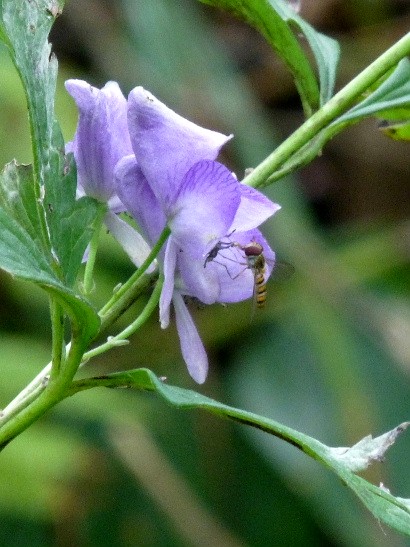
x,y
100,141
172,179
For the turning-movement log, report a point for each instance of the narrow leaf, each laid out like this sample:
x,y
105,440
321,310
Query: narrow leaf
x,y
262,15
391,510
391,94
327,52
275,19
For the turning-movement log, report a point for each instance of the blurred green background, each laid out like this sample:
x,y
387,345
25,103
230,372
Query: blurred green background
x,y
330,354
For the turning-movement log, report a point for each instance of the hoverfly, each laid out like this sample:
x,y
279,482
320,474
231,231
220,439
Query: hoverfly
x,y
254,261
257,263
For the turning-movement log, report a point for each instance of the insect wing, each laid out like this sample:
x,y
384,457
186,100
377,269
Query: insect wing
x,y
281,271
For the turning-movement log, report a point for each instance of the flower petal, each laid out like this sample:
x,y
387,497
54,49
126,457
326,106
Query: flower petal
x,y
205,206
170,261
165,144
254,209
192,348
101,138
203,283
130,240
135,193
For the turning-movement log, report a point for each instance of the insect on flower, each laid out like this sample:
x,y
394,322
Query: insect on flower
x,y
257,263
254,261
213,253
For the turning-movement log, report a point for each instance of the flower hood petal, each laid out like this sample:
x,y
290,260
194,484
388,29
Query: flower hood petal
x,y
101,138
165,144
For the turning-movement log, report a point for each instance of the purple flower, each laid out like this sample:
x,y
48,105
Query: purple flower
x,y
172,178
101,138
100,141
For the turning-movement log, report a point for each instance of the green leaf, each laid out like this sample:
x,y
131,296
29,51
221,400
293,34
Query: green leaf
x,y
22,253
398,131
70,222
327,53
275,19
25,28
393,93
18,199
45,229
343,461
19,254
21,257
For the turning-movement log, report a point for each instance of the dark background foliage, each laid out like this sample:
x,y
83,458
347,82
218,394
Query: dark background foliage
x,y
330,355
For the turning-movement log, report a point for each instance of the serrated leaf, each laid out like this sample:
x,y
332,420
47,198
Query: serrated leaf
x,y
46,237
19,254
393,93
27,26
21,257
391,510
275,20
18,198
70,222
25,29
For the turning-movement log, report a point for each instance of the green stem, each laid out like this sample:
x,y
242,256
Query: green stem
x,y
115,341
330,111
55,391
119,302
57,326
88,282
125,295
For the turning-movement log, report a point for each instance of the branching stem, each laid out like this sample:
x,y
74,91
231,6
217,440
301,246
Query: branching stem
x,y
336,106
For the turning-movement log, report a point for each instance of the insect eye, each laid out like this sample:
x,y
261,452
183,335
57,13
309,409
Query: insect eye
x,y
252,249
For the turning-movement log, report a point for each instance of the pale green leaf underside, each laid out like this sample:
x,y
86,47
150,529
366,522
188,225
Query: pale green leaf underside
x,y
398,131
